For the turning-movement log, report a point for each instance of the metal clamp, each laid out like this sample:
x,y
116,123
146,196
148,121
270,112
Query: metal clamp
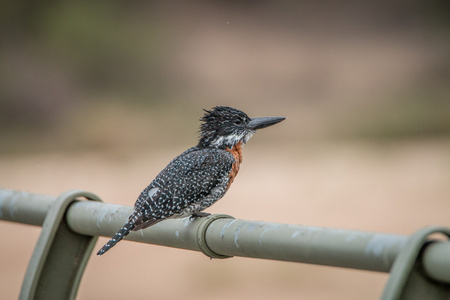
x,y
407,278
201,235
60,255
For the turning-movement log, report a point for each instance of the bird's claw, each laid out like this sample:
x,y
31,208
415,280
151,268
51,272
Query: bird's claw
x,y
198,215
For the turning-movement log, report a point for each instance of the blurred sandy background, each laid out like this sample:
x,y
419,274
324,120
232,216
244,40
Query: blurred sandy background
x,y
101,96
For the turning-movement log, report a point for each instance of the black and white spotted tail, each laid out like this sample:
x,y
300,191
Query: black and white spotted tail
x,y
123,232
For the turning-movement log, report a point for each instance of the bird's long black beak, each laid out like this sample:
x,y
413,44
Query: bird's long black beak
x,y
258,123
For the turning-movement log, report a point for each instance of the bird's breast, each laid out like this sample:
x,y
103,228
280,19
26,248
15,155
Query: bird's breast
x,y
236,151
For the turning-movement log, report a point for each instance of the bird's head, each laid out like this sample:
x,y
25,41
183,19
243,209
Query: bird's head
x,y
223,127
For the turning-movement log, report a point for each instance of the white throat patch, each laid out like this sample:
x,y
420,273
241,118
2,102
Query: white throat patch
x,y
231,140
248,136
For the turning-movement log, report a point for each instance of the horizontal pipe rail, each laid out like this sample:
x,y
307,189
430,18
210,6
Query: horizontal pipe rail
x,y
223,236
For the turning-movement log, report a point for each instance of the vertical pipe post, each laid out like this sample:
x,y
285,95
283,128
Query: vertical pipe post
x,y
60,255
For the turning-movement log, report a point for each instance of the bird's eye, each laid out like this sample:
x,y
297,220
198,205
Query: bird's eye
x,y
238,121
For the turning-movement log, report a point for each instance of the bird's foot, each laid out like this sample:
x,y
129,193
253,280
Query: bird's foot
x,y
198,215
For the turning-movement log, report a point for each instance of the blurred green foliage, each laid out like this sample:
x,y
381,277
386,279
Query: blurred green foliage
x,y
421,114
97,75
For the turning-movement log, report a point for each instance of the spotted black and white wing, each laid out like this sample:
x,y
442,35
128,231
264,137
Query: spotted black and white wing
x,y
190,183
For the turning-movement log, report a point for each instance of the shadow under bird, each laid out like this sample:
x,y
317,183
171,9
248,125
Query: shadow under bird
x,y
198,177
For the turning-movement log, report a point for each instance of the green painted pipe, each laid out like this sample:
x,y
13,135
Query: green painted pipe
x,y
222,236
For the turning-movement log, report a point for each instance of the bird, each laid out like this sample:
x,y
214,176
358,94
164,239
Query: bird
x,y
198,177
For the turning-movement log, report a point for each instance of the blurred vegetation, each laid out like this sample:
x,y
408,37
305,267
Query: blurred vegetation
x,y
422,114
101,75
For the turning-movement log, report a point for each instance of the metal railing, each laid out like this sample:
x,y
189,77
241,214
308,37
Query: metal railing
x,y
70,228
